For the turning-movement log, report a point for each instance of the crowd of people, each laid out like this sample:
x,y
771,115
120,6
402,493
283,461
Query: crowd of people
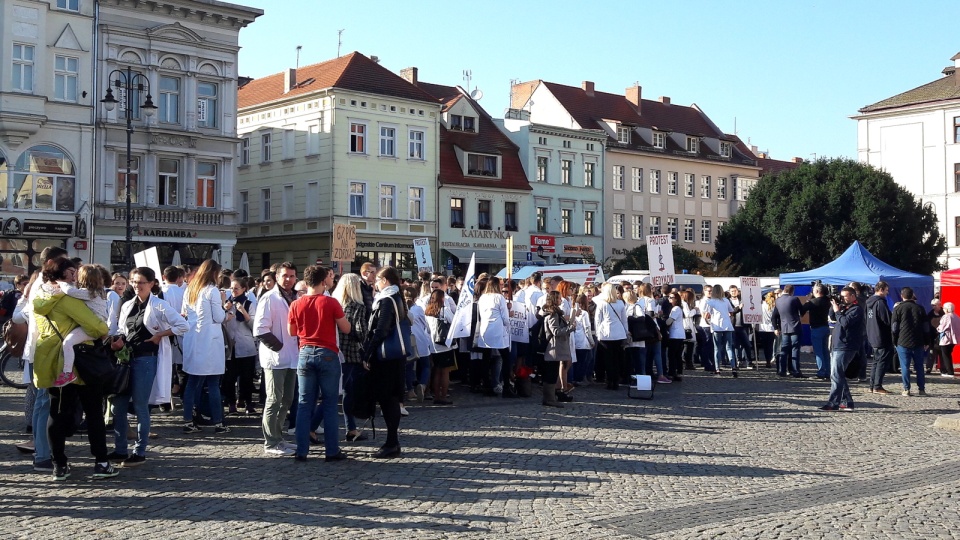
x,y
324,347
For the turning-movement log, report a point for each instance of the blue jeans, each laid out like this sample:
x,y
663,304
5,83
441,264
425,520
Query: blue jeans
x,y
579,369
318,372
654,357
195,385
143,370
819,337
705,348
743,348
914,356
723,343
423,370
789,359
350,371
839,389
40,421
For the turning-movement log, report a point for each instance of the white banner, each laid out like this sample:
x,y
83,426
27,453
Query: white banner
x,y
462,319
149,259
421,247
751,298
660,259
519,331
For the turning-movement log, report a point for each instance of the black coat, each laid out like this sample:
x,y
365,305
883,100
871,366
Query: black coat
x,y
879,333
383,321
909,325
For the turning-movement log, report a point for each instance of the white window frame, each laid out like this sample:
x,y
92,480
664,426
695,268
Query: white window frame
x,y
286,201
207,180
588,217
654,224
706,232
637,180
706,187
693,144
618,225
636,227
721,188
312,199
244,151
388,141
673,179
64,76
266,149
542,164
589,173
725,149
313,139
164,100
415,210
623,134
207,106
361,197
390,200
289,142
566,171
654,181
359,132
244,207
566,220
689,226
540,218
618,177
659,140
24,65
673,228
69,5
266,211
689,181
122,178
163,183
482,160
417,146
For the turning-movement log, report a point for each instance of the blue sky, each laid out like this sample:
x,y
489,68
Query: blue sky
x,y
786,75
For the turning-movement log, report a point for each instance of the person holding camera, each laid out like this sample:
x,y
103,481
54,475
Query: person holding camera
x,y
847,342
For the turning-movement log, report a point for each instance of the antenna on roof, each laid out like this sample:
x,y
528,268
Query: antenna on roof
x,y
298,56
339,40
477,94
467,75
735,125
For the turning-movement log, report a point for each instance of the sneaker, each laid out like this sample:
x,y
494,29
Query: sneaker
x,y
339,456
220,428
921,393
251,410
498,389
61,473
64,379
191,427
664,380
947,375
104,471
134,460
117,457
418,390
882,391
292,431
43,466
279,450
844,408
905,393
404,411
288,445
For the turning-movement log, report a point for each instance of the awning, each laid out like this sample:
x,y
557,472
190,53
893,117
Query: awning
x,y
489,256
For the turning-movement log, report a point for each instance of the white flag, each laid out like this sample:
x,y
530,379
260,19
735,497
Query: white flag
x,y
462,319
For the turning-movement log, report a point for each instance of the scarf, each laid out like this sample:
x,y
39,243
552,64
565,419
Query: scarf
x,y
386,293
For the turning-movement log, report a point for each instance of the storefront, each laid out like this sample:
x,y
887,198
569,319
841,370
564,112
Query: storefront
x,y
186,246
21,243
489,249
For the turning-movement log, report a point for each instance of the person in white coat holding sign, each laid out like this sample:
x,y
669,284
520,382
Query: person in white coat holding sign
x,y
203,348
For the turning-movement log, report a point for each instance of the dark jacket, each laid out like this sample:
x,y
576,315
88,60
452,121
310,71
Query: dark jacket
x,y
909,325
848,332
818,307
877,316
367,292
786,314
383,321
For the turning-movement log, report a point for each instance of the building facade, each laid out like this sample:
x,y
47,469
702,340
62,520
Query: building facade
x,y
915,136
344,141
182,163
46,130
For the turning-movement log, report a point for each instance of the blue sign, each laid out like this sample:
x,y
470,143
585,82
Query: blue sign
x,y
529,255
449,263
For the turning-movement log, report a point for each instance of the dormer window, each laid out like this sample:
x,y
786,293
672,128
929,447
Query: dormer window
x,y
724,149
480,165
659,139
623,134
463,123
693,144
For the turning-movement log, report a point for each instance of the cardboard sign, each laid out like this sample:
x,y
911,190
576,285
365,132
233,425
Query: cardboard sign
x,y
660,259
344,247
148,258
752,299
421,247
519,330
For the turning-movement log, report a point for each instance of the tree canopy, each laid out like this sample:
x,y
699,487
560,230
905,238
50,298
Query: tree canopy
x,y
636,259
804,218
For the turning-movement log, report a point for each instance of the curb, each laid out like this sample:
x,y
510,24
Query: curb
x,y
948,421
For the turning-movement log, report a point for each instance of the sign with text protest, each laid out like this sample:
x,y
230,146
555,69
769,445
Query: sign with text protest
x,y
462,319
344,247
660,259
519,331
421,248
751,298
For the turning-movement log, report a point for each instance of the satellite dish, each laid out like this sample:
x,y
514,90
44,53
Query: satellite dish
x,y
477,94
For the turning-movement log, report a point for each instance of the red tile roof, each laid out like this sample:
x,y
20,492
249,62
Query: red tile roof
x,y
767,165
351,72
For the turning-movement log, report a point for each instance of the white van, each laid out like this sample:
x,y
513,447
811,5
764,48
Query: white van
x,y
687,281
578,273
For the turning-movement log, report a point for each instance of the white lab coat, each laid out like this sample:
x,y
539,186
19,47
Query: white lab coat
x,y
493,332
271,318
158,317
203,347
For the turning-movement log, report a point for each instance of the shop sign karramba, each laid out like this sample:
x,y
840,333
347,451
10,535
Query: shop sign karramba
x,y
164,233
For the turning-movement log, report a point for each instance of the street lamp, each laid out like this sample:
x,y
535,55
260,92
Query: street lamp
x,y
129,81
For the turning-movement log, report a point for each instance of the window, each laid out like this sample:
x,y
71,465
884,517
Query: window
x,y
313,199
672,180
566,144
358,138
289,143
456,122
168,104
705,187
483,215
65,77
541,219
956,230
206,185
286,202
415,208
541,169
735,189
688,180
618,225
566,168
456,213
623,134
637,180
590,146
636,227
588,222
244,151
618,177
720,225
123,178
388,141
956,177
654,225
416,144
265,214
244,207
956,119
566,216
265,151
705,235
588,174
688,226
72,5
388,201
358,199
722,188
659,140
479,165
672,228
725,149
468,123
654,181
313,139
207,105
23,67
541,140
693,144
44,179
510,216
168,182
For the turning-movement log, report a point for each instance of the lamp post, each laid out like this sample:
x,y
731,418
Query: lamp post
x,y
129,81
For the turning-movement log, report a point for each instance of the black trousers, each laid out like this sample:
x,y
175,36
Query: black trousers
x,y
613,360
551,373
388,387
674,357
65,406
239,372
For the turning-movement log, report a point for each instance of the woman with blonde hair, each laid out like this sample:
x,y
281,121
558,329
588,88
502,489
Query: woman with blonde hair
x,y
611,324
350,296
203,347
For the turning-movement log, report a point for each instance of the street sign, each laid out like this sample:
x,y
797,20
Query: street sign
x,y
529,256
449,263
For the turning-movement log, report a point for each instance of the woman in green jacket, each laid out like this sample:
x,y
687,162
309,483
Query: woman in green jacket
x,y
56,315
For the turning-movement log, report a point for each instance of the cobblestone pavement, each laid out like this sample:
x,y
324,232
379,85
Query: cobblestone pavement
x,y
707,458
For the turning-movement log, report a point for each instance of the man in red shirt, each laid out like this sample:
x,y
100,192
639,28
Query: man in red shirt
x,y
315,319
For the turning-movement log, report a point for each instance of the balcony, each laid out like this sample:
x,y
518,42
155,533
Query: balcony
x,y
179,216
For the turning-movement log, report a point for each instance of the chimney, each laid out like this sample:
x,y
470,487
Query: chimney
x,y
587,87
665,100
633,96
753,148
410,74
375,59
289,80
798,160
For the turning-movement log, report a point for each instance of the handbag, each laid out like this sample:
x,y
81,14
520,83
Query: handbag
x,y
397,344
15,336
441,330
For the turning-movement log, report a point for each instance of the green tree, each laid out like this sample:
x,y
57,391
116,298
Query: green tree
x,y
636,259
804,218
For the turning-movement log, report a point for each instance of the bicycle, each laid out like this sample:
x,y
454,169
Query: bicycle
x,y
11,369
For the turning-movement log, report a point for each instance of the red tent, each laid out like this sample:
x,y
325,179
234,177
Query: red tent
x,y
950,292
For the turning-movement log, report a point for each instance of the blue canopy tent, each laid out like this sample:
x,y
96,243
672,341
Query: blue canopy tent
x,y
858,264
